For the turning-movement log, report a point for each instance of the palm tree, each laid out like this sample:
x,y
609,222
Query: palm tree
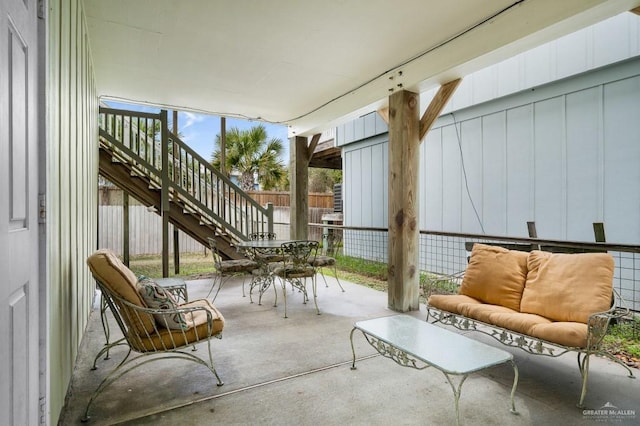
x,y
250,152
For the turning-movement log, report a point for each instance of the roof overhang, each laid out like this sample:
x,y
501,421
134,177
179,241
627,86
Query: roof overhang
x,y
311,64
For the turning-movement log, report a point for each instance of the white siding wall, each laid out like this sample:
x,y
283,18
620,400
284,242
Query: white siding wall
x,y
366,190
565,159
72,189
606,42
565,155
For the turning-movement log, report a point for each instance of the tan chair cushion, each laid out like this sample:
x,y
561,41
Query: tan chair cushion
x,y
451,302
568,287
495,275
235,266
163,339
294,271
321,260
112,273
572,334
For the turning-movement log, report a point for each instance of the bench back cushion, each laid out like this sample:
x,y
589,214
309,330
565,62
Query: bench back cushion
x,y
495,275
568,287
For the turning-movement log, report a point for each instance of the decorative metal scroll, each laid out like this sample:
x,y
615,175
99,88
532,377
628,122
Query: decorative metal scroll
x,y
398,356
506,337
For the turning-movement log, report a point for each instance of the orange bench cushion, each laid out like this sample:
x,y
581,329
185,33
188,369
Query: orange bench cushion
x,y
495,275
567,287
453,303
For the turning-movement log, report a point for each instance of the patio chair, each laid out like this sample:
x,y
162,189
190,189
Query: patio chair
x,y
333,240
265,257
226,269
176,286
262,276
296,268
153,325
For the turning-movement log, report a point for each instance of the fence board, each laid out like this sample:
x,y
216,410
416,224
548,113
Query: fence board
x,y
281,199
145,230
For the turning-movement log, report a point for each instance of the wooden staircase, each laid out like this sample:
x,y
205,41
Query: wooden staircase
x,y
141,156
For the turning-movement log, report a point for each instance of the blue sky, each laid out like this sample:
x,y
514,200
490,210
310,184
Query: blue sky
x,y
199,130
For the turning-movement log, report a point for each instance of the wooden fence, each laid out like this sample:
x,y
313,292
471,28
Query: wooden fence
x,y
145,229
281,199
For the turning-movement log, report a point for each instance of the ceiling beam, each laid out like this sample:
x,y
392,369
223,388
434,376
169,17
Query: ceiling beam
x,y
436,106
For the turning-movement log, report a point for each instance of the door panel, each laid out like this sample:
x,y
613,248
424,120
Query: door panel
x,y
19,353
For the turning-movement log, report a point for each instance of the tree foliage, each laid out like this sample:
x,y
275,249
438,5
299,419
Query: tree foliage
x,y
251,153
322,180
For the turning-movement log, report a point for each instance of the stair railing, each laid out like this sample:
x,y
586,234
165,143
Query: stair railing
x,y
189,180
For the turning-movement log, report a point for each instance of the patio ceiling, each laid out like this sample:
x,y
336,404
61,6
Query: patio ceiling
x,y
311,64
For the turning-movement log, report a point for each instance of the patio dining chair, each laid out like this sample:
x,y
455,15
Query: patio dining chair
x,y
262,276
153,324
226,269
296,268
176,286
333,240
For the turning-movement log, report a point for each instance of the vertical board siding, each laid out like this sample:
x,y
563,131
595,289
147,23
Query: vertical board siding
x,y
494,174
549,168
378,181
519,168
583,162
622,159
71,191
471,194
451,179
431,185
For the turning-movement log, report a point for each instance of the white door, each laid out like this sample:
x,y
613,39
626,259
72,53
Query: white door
x,y
19,379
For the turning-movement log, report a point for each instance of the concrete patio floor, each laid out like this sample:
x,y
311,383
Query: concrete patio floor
x,y
296,371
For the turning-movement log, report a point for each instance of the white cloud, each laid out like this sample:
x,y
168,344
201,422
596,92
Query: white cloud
x,y
189,118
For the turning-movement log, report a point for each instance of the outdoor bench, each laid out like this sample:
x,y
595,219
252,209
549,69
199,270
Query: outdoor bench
x,y
544,303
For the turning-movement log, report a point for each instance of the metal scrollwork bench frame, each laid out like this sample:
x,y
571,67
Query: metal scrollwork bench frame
x,y
413,343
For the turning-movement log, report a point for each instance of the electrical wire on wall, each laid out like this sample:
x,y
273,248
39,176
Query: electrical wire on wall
x,y
464,173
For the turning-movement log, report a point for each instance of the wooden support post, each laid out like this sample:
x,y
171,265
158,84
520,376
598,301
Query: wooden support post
x,y
598,231
223,146
299,187
165,207
176,250
125,228
176,231
404,144
270,218
533,233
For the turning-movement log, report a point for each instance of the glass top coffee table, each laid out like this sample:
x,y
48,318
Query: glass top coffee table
x,y
417,344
